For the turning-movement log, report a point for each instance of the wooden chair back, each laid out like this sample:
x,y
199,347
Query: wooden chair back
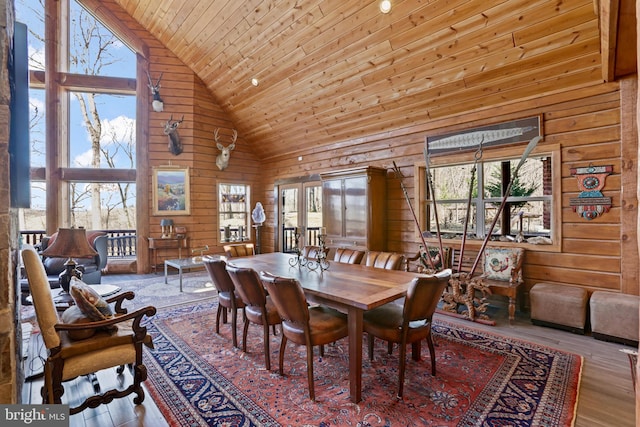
x,y
386,260
240,249
348,256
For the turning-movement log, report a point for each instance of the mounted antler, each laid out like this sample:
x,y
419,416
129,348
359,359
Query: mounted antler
x,y
157,103
222,161
171,130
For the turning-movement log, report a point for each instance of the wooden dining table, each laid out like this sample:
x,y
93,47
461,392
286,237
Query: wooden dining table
x,y
352,289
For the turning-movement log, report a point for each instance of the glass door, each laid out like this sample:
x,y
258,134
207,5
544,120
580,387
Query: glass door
x,y
300,214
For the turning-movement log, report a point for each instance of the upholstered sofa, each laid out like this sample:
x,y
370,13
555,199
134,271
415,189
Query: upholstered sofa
x,y
92,266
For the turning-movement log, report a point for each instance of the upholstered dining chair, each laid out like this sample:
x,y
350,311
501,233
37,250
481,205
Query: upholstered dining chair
x,y
83,345
386,260
348,256
259,308
240,249
228,298
311,251
409,323
304,325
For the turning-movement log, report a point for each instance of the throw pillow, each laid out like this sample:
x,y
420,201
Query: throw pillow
x,y
498,263
73,315
90,303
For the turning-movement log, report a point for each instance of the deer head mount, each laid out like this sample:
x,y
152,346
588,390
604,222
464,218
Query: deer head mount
x,y
222,161
171,130
157,103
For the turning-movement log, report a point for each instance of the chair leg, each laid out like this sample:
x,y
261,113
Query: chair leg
x,y
218,315
312,393
370,342
245,329
389,347
416,350
403,364
234,321
283,345
267,356
432,353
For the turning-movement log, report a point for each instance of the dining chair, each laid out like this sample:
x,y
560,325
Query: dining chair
x,y
228,298
409,323
303,325
239,249
386,260
311,251
259,308
87,337
348,256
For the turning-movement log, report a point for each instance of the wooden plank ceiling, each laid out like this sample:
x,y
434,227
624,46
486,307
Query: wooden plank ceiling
x,y
335,70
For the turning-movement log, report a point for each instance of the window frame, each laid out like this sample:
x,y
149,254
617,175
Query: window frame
x,y
493,155
247,211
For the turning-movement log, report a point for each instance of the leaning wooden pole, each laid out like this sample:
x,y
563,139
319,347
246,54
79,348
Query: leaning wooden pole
x,y
525,155
398,173
435,207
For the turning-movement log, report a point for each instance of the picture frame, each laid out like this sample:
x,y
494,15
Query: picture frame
x,y
171,191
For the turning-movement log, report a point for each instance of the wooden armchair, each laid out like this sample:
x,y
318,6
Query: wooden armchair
x,y
86,347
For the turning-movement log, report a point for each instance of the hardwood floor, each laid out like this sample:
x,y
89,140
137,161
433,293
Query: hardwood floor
x,y
606,396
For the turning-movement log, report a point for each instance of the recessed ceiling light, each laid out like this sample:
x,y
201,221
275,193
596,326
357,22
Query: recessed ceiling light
x,y
385,6
255,81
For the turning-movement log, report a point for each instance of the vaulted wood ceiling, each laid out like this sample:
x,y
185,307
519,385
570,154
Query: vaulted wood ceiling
x,y
335,70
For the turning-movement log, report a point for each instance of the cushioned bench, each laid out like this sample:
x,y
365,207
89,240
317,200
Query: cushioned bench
x,y
559,306
614,317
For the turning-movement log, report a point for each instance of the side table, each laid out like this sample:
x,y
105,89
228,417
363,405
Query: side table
x,y
166,243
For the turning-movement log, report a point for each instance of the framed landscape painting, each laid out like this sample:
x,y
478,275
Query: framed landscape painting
x,y
171,191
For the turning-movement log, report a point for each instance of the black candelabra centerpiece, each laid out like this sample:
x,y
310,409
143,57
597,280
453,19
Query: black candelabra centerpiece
x,y
311,261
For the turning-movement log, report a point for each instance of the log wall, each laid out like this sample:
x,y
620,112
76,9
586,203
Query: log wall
x,y
590,128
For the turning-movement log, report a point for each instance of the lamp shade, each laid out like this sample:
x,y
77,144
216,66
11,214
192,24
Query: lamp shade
x,y
166,222
70,243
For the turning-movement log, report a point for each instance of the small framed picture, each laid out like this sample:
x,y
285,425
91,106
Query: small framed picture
x,y
171,191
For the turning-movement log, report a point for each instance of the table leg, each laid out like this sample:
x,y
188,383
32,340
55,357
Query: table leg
x,y
165,273
355,353
180,276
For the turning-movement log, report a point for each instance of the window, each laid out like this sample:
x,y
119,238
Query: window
x,y
98,85
530,212
234,212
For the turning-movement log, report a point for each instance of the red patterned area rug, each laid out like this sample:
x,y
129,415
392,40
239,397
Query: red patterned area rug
x,y
197,378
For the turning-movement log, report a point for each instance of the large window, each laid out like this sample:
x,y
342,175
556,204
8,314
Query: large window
x,y
469,192
98,103
234,212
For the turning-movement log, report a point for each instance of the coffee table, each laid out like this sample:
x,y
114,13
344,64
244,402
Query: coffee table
x,y
182,264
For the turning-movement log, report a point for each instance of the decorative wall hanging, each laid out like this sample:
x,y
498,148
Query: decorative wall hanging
x,y
591,203
222,161
157,103
171,130
171,191
512,132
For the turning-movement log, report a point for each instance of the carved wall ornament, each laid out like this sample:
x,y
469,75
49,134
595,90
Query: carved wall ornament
x,y
591,203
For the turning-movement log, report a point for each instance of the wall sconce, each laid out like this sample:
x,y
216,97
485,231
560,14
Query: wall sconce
x,y
157,103
167,228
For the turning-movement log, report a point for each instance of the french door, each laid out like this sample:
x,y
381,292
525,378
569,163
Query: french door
x,y
300,214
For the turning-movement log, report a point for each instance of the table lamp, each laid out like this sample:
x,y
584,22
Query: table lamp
x,y
70,243
167,228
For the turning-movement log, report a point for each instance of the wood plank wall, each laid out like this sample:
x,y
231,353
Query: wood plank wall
x,y
586,123
185,94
